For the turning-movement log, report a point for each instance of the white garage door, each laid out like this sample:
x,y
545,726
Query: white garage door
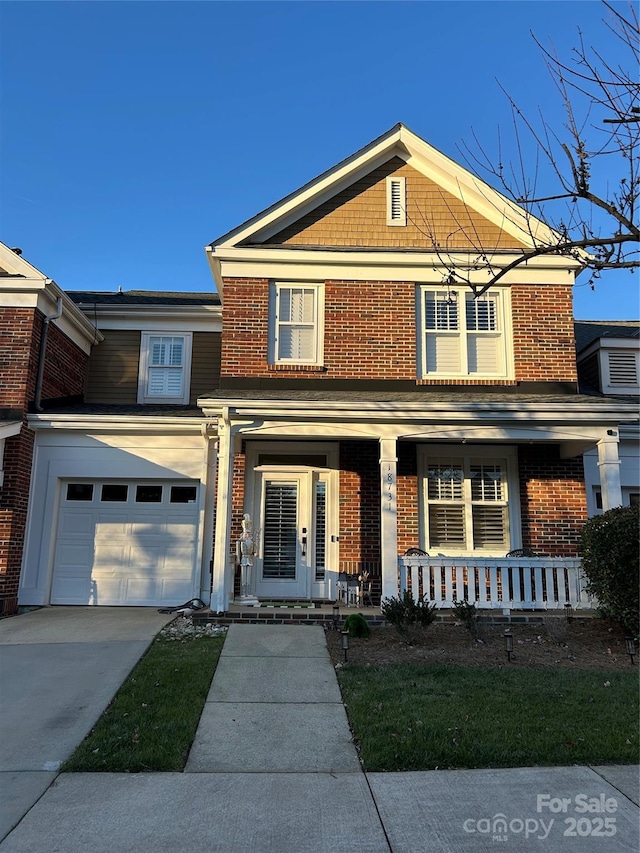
x,y
126,543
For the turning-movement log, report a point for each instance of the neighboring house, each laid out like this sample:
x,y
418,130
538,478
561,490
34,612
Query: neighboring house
x,y
608,354
367,406
121,505
349,397
44,345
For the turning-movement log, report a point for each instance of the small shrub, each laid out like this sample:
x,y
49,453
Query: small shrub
x,y
465,612
405,614
609,544
357,625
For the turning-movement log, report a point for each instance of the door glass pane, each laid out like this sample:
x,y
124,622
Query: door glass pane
x,y
183,495
321,528
149,494
80,492
115,492
280,531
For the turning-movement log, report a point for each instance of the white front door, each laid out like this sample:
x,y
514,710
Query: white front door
x,y
291,518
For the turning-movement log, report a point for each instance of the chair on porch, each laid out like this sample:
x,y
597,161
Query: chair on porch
x,y
521,552
348,588
415,552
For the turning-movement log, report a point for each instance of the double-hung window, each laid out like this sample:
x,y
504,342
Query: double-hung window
x,y
296,324
462,335
466,501
165,363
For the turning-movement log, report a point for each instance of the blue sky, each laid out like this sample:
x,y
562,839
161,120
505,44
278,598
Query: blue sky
x,y
134,133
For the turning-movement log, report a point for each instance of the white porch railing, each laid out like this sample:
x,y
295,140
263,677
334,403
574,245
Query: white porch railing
x,y
513,583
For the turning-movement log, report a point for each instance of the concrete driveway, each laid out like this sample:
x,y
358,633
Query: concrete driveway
x,y
59,669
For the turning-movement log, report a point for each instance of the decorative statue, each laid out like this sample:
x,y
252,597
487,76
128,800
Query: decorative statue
x,y
245,552
246,541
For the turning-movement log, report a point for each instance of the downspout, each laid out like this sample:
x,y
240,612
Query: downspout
x,y
42,353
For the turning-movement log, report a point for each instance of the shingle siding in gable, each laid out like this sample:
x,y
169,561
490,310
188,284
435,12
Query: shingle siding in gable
x,y
357,216
113,368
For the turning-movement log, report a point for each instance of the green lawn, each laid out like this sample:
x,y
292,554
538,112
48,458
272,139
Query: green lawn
x,y
421,717
152,720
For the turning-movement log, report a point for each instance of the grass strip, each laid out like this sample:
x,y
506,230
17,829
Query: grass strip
x,y
152,720
421,717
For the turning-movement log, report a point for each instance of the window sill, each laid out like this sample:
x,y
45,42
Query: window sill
x,y
297,368
465,380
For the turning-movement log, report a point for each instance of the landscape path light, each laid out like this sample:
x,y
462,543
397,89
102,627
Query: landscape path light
x,y
508,644
345,643
631,647
336,616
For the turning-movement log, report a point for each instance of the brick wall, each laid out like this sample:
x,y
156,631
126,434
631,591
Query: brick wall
x,y
64,375
19,340
370,333
359,498
543,333
65,366
553,500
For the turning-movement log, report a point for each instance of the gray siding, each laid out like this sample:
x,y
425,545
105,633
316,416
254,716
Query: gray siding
x,y
205,364
113,369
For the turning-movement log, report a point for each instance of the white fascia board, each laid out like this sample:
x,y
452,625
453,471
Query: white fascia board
x,y
184,318
340,175
117,423
607,343
73,322
214,266
9,429
309,200
425,267
43,294
435,411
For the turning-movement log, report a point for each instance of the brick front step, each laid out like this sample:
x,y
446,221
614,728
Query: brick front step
x,y
322,615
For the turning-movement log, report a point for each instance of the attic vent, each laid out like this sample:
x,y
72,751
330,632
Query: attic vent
x,y
396,201
623,368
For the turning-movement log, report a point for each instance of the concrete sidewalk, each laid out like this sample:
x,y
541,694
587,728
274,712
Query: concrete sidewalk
x,y
273,768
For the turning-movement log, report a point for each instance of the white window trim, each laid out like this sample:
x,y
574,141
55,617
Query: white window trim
x,y
318,288
491,452
402,219
503,306
143,373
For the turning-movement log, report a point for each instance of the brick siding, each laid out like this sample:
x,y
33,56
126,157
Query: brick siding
x,y
64,375
370,333
553,500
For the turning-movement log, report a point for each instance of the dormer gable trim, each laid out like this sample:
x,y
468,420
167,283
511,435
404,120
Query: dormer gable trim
x,y
402,143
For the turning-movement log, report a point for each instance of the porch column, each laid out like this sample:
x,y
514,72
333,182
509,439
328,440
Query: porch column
x,y
222,546
209,482
609,469
389,517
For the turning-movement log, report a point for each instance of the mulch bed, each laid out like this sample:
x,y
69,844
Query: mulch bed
x,y
556,643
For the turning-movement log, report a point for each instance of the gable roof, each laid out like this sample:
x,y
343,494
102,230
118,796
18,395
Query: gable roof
x,y
250,240
400,142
